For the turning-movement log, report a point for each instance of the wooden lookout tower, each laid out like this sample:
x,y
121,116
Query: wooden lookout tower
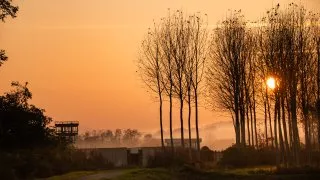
x,y
67,129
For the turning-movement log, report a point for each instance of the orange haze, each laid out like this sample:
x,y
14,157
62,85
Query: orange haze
x,y
79,56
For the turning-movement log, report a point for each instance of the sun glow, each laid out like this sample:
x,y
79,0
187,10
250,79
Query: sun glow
x,y
271,83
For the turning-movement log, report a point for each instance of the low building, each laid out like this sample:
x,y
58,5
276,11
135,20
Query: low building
x,y
124,157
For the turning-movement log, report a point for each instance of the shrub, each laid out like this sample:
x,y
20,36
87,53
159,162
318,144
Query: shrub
x,y
167,159
41,163
247,156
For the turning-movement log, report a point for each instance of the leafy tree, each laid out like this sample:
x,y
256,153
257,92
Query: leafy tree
x,y
22,125
6,9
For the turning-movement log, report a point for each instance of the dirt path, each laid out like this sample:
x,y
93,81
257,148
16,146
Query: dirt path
x,y
104,175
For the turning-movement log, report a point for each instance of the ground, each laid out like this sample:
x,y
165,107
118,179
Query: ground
x,y
90,175
263,173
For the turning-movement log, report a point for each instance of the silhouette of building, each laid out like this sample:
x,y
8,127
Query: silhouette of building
x,y
177,143
67,129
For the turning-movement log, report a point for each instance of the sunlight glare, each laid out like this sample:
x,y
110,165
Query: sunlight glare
x,y
271,83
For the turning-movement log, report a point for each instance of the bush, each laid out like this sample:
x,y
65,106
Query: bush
x,y
41,163
181,157
247,156
167,159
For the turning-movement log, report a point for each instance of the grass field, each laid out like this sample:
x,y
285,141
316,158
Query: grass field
x,y
147,174
72,175
263,173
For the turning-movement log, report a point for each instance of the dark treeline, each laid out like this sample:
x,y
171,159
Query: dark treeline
x,y
266,73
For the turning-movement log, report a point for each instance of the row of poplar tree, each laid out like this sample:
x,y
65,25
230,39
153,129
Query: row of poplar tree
x,y
181,59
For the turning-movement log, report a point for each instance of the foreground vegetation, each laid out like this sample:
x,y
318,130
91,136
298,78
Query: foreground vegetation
x,y
187,173
72,175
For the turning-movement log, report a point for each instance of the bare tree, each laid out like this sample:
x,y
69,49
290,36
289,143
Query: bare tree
x,y
315,23
183,44
168,74
151,69
232,50
287,51
198,55
179,42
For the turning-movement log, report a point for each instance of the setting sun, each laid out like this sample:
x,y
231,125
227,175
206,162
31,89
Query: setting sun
x,y
271,83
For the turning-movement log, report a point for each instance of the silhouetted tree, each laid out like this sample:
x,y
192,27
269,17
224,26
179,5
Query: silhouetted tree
x,y
6,9
23,125
289,56
199,56
179,41
316,37
232,52
150,68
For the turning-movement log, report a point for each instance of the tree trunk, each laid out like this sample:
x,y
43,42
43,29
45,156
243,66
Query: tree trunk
x,y
265,123
252,126
170,114
161,125
296,141
255,119
197,122
242,119
285,130
282,152
275,125
248,127
237,126
181,121
318,90
189,123
270,124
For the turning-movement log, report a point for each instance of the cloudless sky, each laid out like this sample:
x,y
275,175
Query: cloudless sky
x,y
79,56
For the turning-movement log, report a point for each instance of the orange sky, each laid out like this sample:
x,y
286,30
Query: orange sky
x,y
79,56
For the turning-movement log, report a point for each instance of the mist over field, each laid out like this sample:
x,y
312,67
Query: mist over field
x,y
217,136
